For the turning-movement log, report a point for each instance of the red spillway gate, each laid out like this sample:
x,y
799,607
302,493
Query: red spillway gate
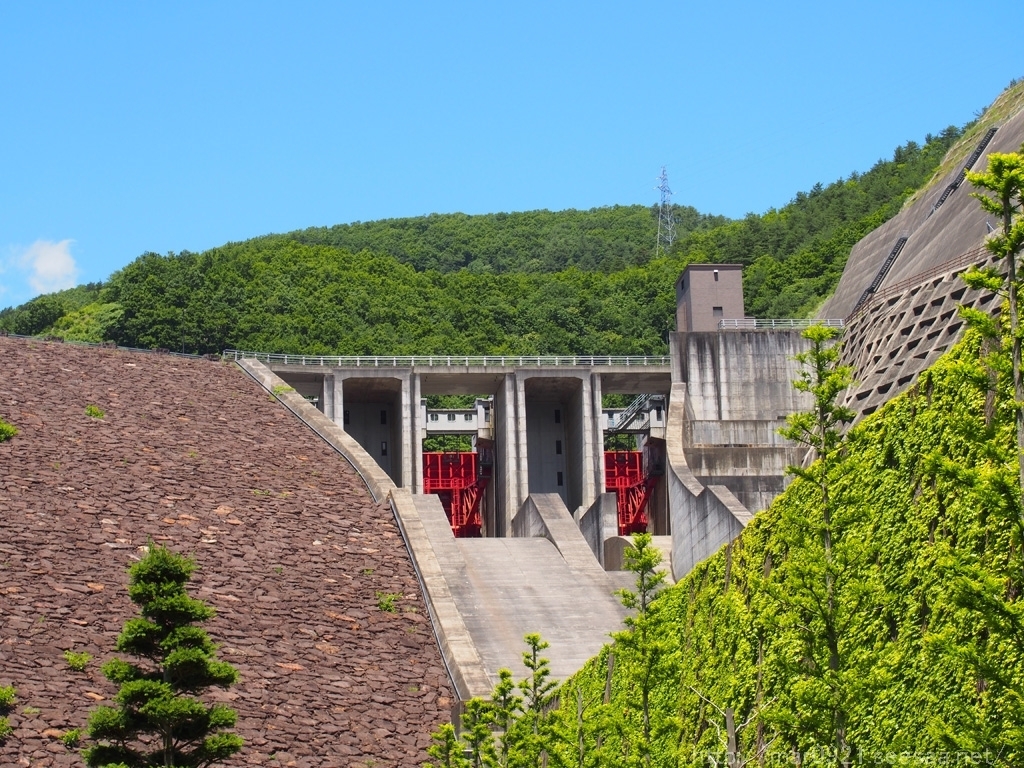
x,y
624,476
459,479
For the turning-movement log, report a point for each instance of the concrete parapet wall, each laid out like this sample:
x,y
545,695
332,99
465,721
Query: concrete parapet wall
x,y
437,558
377,480
599,523
703,517
615,553
736,433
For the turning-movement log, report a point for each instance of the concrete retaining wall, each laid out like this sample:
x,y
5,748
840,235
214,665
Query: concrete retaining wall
x,y
740,376
731,392
600,523
437,558
703,518
544,515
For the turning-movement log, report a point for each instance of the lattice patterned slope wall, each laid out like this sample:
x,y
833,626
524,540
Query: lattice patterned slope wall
x,y
905,329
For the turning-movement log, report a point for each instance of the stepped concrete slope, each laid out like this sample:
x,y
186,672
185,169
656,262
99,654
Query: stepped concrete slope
x,y
292,551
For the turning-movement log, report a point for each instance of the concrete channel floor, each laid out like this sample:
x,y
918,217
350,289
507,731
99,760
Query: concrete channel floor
x,y
504,589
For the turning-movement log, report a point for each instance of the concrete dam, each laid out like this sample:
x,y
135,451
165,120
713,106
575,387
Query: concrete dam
x,y
544,551
553,508
297,544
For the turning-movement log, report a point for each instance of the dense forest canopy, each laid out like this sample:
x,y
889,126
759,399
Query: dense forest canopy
x,y
569,282
601,239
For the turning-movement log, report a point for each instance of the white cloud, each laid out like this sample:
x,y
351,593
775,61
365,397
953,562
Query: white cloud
x,y
50,265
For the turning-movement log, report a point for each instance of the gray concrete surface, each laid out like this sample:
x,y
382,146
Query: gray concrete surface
x,y
615,556
502,589
518,586
955,228
437,564
599,523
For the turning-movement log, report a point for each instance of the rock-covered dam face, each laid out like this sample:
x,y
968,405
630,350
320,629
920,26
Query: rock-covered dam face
x,y
292,552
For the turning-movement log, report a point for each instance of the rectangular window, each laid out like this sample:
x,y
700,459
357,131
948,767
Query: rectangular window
x,y
384,448
433,417
657,413
559,479
469,417
383,417
716,275
717,312
347,418
558,447
451,417
558,416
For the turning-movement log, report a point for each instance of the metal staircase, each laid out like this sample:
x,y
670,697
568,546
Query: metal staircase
x,y
637,415
955,185
882,272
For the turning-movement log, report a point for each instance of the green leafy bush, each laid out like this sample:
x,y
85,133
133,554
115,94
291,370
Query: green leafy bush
x,y
72,738
386,601
78,661
94,412
7,431
922,566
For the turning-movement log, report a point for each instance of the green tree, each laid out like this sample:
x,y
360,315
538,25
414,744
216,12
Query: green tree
x,y
446,749
1004,178
158,720
506,706
476,732
642,559
993,597
814,568
530,731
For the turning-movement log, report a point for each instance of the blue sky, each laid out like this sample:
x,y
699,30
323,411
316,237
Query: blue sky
x,y
135,127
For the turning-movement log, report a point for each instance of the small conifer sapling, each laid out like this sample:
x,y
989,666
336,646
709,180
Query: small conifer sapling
x,y
158,719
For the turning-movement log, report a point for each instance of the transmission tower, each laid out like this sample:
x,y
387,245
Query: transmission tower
x,y
666,222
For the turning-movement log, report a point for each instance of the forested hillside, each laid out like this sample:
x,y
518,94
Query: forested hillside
x,y
601,239
577,282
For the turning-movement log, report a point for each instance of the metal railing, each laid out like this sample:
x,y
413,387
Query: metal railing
x,y
961,263
757,324
444,361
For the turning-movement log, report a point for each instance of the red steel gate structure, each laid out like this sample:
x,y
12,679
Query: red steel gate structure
x,y
624,476
459,479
